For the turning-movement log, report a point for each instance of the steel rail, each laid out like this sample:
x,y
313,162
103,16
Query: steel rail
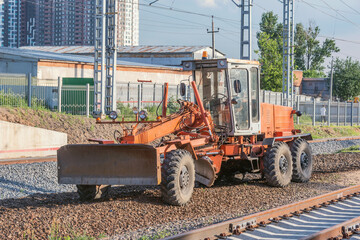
x,y
251,222
342,230
27,160
334,139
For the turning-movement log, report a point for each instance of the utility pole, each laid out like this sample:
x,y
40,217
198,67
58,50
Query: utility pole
x,y
331,78
245,28
213,35
288,50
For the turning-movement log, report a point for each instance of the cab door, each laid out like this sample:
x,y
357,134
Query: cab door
x,y
245,89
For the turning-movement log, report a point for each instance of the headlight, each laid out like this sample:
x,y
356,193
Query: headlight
x,y
143,114
135,110
113,115
222,63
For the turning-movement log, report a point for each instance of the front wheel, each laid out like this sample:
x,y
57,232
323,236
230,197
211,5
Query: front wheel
x,y
278,165
177,177
302,161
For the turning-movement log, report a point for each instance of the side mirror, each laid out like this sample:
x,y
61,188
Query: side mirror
x,y
237,86
182,89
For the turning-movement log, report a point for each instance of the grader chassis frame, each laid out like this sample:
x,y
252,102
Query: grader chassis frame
x,y
225,131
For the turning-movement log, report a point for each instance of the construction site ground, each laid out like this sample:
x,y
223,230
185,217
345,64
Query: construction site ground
x,y
138,212
135,212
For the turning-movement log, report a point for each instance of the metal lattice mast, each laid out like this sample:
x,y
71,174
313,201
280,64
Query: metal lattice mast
x,y
288,50
111,55
245,28
105,42
245,31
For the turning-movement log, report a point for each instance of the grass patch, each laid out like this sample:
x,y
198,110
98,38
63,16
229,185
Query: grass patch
x,y
16,100
304,119
158,235
57,229
355,148
126,111
329,132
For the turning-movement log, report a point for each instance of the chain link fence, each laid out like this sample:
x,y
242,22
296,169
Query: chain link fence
x,y
20,90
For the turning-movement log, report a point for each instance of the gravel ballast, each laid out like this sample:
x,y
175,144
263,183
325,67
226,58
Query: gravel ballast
x,y
21,180
32,201
332,146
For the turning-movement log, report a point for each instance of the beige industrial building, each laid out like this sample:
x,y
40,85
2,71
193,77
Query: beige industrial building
x,y
49,66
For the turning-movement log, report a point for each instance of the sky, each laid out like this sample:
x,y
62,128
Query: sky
x,y
338,19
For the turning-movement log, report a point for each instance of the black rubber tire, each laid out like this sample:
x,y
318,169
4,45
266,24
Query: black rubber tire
x,y
92,192
276,175
302,161
177,177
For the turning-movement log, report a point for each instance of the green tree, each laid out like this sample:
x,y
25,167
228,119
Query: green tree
x,y
270,52
346,78
271,61
310,54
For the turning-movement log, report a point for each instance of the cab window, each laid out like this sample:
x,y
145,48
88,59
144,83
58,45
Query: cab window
x,y
254,95
240,97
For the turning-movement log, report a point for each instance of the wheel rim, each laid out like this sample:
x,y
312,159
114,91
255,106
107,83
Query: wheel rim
x,y
184,178
283,164
304,160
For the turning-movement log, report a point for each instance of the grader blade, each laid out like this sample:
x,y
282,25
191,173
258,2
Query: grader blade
x,y
109,164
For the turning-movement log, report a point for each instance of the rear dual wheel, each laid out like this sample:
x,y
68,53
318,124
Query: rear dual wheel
x,y
282,165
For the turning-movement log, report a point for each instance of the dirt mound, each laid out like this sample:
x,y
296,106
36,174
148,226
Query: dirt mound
x,y
78,128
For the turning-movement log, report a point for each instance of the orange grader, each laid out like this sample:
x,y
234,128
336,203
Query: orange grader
x,y
225,131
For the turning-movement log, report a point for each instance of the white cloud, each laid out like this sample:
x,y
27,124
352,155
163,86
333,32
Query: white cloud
x,y
207,3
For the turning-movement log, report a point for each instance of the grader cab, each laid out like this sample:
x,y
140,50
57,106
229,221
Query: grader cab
x,y
225,131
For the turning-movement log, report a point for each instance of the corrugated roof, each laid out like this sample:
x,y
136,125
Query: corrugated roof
x,y
43,55
122,49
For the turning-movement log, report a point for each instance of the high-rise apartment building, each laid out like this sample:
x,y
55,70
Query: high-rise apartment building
x,y
28,23
10,21
1,23
61,22
73,22
128,23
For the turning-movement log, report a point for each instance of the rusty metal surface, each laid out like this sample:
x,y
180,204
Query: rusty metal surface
x,y
235,227
110,164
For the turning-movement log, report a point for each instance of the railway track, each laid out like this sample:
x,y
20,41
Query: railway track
x,y
27,160
334,215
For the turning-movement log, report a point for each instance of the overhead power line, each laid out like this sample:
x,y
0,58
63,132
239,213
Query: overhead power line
x,y
313,6
348,20
356,11
339,39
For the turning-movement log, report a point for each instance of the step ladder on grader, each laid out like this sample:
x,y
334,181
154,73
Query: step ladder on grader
x,y
225,131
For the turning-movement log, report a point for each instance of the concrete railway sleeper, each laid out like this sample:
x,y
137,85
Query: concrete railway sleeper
x,y
334,215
